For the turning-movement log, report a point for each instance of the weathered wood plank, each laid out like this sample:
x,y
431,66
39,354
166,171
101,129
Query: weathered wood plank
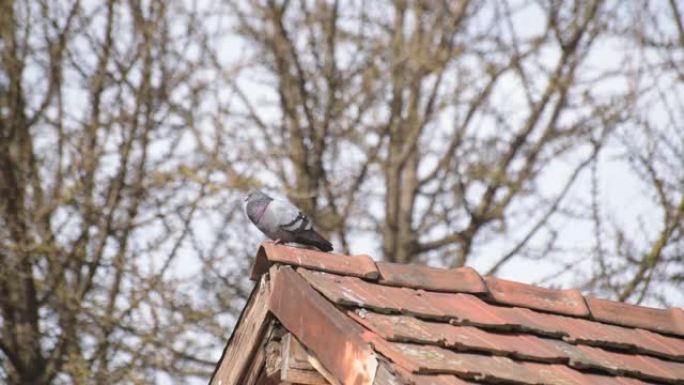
x,y
256,366
385,377
270,341
269,379
323,371
294,354
295,366
273,358
246,338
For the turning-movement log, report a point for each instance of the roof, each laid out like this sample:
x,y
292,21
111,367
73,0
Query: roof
x,y
367,322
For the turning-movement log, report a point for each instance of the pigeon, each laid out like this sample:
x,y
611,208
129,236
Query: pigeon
x,y
282,222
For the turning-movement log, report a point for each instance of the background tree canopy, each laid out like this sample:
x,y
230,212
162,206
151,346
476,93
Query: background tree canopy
x,y
535,139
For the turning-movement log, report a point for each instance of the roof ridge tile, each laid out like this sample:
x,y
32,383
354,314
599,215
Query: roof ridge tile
x,y
568,302
460,280
361,265
560,301
668,321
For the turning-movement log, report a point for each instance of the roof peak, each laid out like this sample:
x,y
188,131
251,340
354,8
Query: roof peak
x,y
567,302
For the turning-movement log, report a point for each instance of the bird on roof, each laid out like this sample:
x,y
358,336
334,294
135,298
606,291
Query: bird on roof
x,y
282,222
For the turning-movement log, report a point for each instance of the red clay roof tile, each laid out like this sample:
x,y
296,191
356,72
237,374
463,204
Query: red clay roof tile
x,y
660,345
590,378
350,290
529,321
460,308
562,375
350,265
427,379
648,368
390,351
394,327
431,359
440,379
478,326
397,328
569,302
400,328
669,321
585,359
470,310
617,337
466,309
462,280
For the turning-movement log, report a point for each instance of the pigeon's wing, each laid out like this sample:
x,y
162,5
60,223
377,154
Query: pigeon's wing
x,y
292,219
287,223
283,216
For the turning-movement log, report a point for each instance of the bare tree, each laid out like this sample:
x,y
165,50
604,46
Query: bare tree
x,y
651,143
99,190
452,118
412,100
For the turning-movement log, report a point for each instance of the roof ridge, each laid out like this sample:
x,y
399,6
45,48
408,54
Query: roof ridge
x,y
567,302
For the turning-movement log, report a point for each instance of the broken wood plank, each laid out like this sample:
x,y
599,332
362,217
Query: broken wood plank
x,y
323,371
384,376
273,358
295,366
266,379
260,361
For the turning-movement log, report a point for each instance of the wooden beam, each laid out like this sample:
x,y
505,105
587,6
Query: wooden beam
x,y
262,359
266,379
295,366
384,376
255,368
323,371
246,339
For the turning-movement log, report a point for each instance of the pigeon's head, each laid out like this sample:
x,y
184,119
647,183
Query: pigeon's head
x,y
256,195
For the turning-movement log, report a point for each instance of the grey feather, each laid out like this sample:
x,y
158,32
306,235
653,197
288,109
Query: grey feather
x,y
280,220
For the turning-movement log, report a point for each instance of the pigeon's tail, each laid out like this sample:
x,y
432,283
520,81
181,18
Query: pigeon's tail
x,y
312,238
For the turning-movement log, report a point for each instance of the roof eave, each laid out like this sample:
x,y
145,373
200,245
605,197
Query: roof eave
x,y
246,337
